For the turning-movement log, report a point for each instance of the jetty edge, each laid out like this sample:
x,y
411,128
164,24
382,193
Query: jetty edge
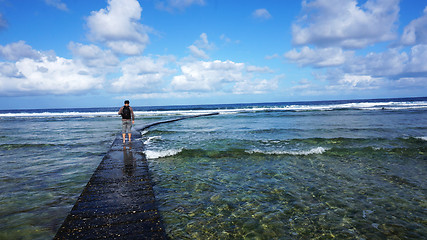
x,y
176,119
119,202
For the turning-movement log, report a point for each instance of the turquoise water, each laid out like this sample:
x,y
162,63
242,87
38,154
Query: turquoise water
x,y
321,170
45,164
348,174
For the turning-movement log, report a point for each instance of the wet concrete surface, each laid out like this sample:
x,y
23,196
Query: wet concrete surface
x,y
118,202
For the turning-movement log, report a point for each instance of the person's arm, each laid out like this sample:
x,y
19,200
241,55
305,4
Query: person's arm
x,y
133,116
121,111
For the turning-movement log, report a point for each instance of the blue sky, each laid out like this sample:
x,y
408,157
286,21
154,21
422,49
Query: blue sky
x,y
79,53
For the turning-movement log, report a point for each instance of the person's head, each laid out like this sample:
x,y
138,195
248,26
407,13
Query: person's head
x,y
127,102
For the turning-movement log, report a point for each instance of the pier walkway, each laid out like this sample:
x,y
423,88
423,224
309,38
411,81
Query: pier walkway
x,y
118,202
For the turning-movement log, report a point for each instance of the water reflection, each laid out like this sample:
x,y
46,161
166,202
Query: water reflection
x,y
129,161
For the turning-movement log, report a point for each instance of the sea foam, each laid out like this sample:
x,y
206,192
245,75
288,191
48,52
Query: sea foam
x,y
152,139
150,154
318,150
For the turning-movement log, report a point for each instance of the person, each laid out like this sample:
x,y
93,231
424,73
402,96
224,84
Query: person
x,y
128,118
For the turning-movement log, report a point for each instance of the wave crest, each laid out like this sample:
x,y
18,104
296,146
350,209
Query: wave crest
x,y
318,150
150,154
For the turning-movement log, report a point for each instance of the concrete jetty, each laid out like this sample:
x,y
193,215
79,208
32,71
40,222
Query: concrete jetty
x,y
118,202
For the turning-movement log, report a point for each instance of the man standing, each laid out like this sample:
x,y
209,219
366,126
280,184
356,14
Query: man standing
x,y
128,118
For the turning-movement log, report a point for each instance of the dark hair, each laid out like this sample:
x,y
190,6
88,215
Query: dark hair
x,y
127,102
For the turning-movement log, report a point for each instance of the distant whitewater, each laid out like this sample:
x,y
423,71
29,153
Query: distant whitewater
x,y
351,169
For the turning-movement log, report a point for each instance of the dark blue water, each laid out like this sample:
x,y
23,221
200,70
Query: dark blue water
x,y
336,169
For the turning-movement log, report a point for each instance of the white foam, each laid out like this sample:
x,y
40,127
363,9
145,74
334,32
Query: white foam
x,y
144,132
279,107
161,154
59,114
422,138
318,150
151,139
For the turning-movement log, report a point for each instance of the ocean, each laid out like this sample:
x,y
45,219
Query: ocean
x,y
353,169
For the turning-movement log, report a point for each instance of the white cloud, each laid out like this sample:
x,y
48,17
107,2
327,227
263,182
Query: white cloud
x,y
201,44
416,31
393,70
197,52
256,86
93,56
261,13
342,23
47,75
207,76
327,28
118,27
172,5
143,74
337,83
392,64
323,57
252,68
418,60
220,77
359,82
384,64
274,56
58,4
18,50
165,95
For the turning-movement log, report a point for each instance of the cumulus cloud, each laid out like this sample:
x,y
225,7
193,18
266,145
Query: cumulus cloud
x,y
256,86
18,50
391,64
330,32
221,77
197,52
262,14
392,69
142,74
93,56
57,4
384,64
323,57
416,31
118,27
207,76
46,75
360,82
172,5
274,56
342,23
198,48
252,68
417,61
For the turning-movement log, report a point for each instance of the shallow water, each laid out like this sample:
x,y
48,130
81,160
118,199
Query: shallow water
x,y
349,170
45,165
348,174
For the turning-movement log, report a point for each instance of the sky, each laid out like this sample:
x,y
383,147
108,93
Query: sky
x,y
97,53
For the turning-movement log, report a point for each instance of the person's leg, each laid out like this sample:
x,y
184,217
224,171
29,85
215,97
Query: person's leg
x,y
129,130
124,131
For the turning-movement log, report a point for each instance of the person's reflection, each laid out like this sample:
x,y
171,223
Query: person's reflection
x,y
129,161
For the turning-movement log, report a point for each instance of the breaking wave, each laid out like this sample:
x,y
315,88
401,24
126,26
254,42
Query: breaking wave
x,y
318,150
151,154
225,109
